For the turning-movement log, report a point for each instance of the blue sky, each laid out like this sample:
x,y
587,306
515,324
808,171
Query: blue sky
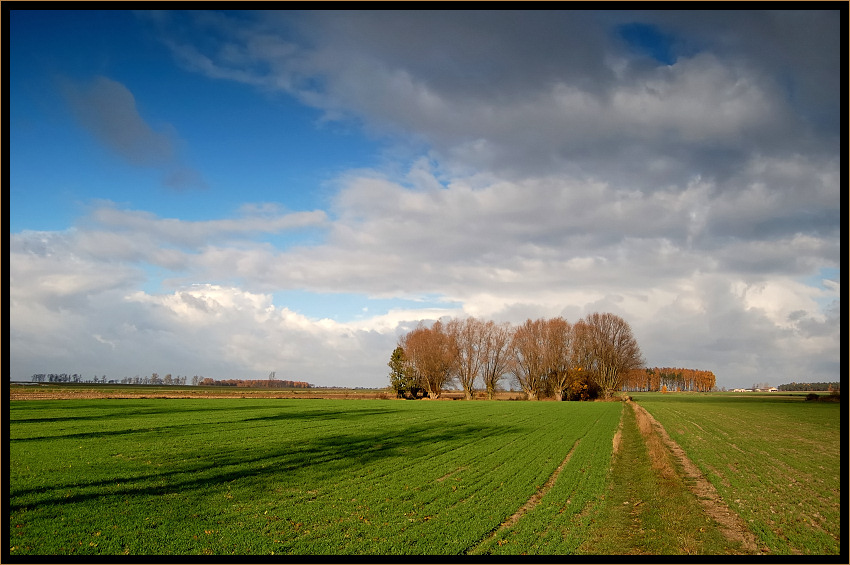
x,y
231,193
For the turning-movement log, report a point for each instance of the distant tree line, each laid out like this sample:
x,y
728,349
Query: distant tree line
x,y
169,380
56,378
666,378
810,386
255,383
545,358
153,379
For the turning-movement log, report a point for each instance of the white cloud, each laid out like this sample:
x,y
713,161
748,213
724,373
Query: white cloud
x,y
494,250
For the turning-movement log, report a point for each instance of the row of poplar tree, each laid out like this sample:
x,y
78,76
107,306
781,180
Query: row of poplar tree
x,y
544,357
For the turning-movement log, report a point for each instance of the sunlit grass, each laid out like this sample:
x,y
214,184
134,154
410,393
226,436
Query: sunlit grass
x,y
775,460
250,476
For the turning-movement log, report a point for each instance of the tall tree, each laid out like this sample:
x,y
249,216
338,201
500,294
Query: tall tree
x,y
430,353
466,337
560,358
401,375
528,349
495,355
607,350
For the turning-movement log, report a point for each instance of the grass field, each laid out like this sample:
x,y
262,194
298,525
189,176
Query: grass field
x,y
246,476
775,459
251,476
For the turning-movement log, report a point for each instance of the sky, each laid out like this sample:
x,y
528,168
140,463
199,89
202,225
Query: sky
x,y
227,194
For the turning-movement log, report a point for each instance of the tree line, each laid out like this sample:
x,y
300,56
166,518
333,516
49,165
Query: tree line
x,y
791,387
255,383
169,380
153,379
544,357
666,378
57,378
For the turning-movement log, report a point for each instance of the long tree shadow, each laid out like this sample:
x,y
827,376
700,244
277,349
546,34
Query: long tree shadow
x,y
148,429
319,458
125,409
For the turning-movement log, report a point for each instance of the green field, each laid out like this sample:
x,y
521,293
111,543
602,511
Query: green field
x,y
262,476
775,459
251,476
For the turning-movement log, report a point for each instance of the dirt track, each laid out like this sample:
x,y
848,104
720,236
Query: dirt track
x,y
731,525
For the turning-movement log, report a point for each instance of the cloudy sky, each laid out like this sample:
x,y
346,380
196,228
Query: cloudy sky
x,y
232,193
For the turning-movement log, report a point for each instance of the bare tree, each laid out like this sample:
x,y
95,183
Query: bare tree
x,y
607,350
467,336
495,355
560,357
430,354
528,349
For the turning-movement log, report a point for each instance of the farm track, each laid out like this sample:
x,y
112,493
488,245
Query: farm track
x,y
731,525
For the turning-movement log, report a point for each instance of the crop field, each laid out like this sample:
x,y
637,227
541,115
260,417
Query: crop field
x,y
775,460
248,475
281,476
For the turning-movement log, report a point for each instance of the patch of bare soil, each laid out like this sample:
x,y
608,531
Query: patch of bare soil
x,y
731,525
617,438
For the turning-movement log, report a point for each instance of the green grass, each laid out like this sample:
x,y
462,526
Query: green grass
x,y
257,476
558,523
775,459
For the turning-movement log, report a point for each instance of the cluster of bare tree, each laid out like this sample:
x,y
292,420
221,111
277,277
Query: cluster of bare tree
x,y
153,379
545,357
57,378
156,379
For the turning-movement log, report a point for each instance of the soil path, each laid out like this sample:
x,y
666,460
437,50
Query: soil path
x,y
731,525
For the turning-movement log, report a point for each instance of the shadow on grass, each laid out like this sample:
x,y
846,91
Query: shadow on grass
x,y
124,409
315,459
129,412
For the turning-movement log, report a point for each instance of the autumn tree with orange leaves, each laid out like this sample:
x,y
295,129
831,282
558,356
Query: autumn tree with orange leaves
x,y
431,354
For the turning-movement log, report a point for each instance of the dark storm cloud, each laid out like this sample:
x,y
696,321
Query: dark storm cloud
x,y
542,92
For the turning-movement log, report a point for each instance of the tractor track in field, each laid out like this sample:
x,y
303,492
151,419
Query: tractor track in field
x,y
530,503
730,524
